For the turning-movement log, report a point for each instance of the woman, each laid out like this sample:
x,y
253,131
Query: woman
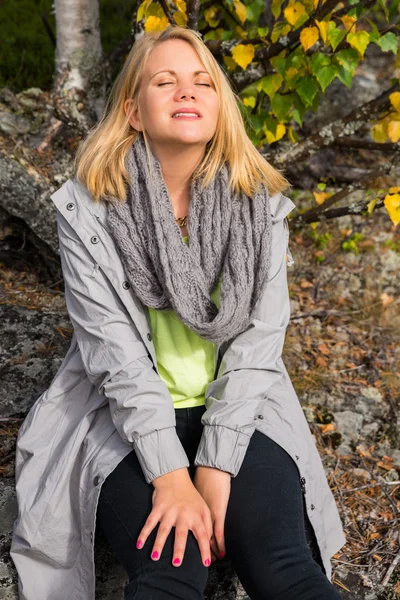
x,y
172,421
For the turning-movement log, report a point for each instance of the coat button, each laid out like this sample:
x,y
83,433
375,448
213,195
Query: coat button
x,y
149,337
312,506
70,206
94,239
297,457
126,285
302,480
96,480
260,416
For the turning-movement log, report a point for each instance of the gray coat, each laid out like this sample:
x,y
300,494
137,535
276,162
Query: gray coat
x,y
107,398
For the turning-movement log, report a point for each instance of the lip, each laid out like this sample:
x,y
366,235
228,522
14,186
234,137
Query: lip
x,y
186,110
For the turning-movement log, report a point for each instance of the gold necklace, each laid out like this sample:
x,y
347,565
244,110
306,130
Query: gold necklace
x,y
182,221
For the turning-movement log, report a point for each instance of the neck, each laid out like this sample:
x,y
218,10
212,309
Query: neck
x,y
177,166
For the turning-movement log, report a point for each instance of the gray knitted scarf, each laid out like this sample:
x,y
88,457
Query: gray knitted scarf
x,y
229,234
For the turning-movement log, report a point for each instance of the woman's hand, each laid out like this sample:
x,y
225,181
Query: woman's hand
x,y
214,486
177,503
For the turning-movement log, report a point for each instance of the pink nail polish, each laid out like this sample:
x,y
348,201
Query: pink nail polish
x,y
222,555
207,562
155,554
177,561
139,544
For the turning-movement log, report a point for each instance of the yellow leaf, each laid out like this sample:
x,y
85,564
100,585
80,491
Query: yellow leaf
x,y
291,72
395,100
394,190
308,37
293,135
359,41
209,15
243,54
349,22
294,12
280,132
394,131
240,10
230,63
379,132
181,5
276,7
156,24
320,197
392,205
323,29
249,101
180,18
371,204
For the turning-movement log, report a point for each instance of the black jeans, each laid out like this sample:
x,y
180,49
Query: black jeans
x,y
268,536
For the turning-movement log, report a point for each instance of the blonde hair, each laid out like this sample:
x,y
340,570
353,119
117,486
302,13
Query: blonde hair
x,y
100,159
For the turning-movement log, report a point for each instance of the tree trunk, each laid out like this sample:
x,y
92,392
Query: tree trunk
x,y
79,83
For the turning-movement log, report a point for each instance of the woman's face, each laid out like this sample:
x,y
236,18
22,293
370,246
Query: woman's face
x,y
176,79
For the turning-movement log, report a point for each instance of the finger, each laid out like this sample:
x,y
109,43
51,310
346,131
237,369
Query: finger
x,y
214,548
203,541
161,537
148,527
181,534
213,556
208,521
219,535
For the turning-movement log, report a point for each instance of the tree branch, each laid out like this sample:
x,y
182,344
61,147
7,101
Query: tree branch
x,y
193,9
336,130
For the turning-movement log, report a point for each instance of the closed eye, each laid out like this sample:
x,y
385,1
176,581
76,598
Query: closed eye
x,y
168,82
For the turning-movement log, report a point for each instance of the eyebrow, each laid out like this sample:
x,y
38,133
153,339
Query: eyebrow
x,y
174,72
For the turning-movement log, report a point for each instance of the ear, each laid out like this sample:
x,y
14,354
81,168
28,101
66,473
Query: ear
x,y
132,114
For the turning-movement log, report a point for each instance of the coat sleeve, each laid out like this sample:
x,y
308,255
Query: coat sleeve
x,y
250,364
117,362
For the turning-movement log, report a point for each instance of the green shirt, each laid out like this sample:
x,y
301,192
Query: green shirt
x,y
185,361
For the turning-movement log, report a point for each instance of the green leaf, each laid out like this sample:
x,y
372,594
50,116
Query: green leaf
x,y
276,7
345,77
257,122
393,9
262,31
388,42
271,124
348,59
322,68
383,6
335,36
325,75
358,40
374,33
281,105
299,109
280,64
319,60
270,84
307,88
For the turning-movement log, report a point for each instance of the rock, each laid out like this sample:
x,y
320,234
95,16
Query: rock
x,y
370,404
31,352
361,473
349,425
370,429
